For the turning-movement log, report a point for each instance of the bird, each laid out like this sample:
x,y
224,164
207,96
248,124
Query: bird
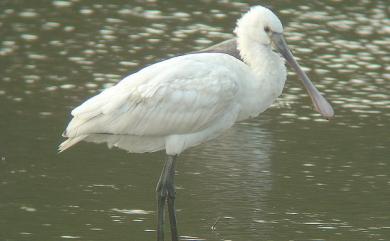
x,y
190,99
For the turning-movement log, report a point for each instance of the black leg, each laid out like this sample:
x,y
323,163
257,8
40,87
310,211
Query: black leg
x,y
160,217
171,203
166,193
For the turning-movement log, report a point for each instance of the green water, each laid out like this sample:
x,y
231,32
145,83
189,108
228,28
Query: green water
x,y
286,175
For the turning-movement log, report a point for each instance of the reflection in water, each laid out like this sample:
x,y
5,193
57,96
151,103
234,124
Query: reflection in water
x,y
286,175
233,177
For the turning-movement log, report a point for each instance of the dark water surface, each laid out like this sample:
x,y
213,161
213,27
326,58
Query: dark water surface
x,y
286,175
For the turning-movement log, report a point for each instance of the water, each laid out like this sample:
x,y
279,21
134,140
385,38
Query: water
x,y
286,175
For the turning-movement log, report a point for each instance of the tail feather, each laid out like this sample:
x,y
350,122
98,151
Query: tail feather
x,y
70,142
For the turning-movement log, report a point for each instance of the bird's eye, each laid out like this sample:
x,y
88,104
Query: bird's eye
x,y
266,29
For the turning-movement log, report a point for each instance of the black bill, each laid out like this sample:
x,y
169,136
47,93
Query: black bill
x,y
320,103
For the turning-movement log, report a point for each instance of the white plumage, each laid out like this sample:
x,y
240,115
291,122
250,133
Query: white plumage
x,y
173,104
187,100
183,101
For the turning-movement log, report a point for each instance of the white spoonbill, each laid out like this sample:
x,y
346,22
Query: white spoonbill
x,y
184,101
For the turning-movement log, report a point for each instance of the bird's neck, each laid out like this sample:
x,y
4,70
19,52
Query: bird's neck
x,y
259,57
267,66
265,63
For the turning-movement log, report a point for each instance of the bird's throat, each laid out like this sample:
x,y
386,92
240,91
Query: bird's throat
x,y
260,57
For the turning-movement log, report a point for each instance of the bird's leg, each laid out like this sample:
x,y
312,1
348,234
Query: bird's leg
x,y
171,200
166,190
161,197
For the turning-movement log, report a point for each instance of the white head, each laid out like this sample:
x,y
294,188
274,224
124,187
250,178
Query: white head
x,y
260,27
257,25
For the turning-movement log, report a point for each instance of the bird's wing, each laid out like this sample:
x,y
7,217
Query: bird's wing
x,y
180,95
226,47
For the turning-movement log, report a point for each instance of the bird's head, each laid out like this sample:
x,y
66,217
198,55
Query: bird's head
x,y
261,26
258,24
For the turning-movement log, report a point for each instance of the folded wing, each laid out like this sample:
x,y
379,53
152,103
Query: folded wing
x,y
181,95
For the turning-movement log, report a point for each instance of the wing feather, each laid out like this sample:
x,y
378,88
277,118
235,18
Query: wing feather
x,y
181,95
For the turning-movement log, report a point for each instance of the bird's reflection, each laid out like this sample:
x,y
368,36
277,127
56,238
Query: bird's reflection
x,y
234,174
